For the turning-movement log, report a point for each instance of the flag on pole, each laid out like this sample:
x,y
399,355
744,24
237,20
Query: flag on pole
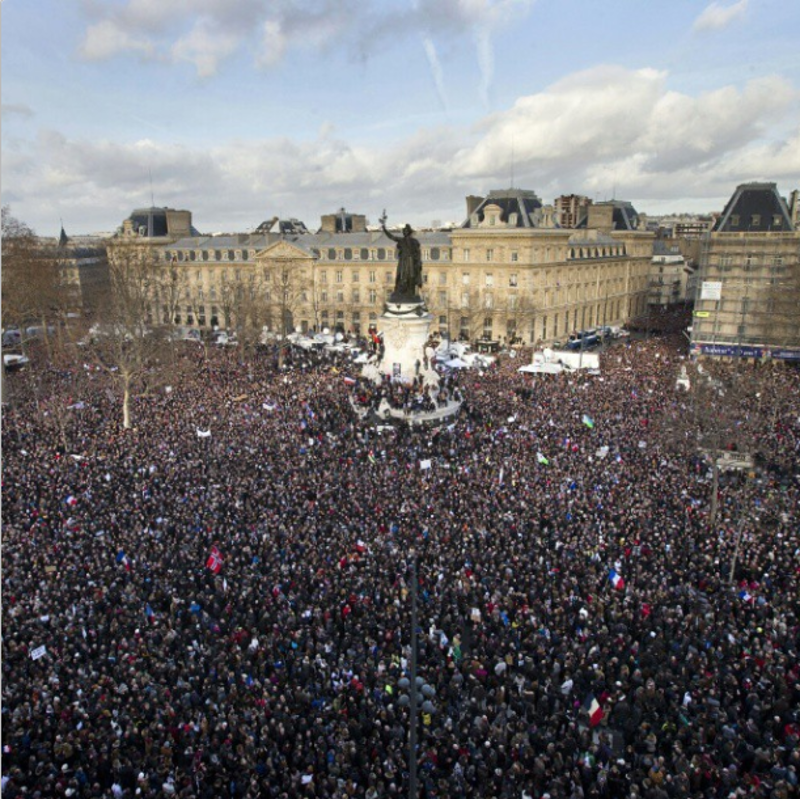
x,y
616,580
746,596
214,561
593,708
541,459
123,559
349,381
148,611
588,421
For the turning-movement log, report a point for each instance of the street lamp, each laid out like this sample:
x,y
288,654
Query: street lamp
x,y
417,693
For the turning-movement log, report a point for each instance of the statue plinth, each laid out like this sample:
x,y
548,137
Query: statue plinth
x,y
405,324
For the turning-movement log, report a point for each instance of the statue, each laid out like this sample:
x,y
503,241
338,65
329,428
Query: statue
x,y
408,278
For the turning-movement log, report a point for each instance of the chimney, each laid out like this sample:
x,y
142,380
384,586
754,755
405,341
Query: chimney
x,y
794,209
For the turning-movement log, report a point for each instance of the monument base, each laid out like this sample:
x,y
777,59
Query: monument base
x,y
405,325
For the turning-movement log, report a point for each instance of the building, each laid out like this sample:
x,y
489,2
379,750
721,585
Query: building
x,y
670,275
748,302
83,264
571,209
508,273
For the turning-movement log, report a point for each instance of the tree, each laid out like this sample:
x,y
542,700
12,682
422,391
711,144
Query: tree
x,y
132,351
286,282
31,282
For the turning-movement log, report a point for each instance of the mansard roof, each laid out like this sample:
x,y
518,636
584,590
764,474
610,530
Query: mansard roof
x,y
754,208
523,203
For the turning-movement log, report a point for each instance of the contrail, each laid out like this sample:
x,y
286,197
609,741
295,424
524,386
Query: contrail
x,y
436,69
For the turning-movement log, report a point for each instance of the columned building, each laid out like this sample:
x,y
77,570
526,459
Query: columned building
x,y
748,301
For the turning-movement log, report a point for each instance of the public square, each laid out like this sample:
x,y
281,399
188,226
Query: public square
x,y
217,602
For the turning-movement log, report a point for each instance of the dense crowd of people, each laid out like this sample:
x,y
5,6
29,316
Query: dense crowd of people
x,y
217,601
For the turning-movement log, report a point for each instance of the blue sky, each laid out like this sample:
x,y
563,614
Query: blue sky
x,y
243,109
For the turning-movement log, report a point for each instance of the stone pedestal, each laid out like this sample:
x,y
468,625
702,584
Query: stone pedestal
x,y
405,325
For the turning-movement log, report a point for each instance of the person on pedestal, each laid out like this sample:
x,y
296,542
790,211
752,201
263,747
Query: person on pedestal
x,y
408,278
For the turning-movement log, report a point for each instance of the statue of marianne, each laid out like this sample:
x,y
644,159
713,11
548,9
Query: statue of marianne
x,y
408,278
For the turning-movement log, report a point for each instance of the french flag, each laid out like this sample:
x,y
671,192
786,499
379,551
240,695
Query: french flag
x,y
616,580
214,561
746,596
123,559
594,709
349,381
71,500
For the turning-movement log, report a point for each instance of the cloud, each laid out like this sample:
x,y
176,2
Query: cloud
x,y
17,110
205,48
206,32
587,133
107,38
717,16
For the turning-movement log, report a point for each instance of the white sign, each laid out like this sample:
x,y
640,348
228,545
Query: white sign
x,y
711,290
38,652
425,464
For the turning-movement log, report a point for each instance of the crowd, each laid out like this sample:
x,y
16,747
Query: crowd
x,y
217,602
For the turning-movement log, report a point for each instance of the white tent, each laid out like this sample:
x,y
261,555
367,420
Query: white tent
x,y
542,368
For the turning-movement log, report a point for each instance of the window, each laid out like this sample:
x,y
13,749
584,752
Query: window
x,y
364,255
465,278
201,316
464,327
442,299
323,275
381,254
489,279
735,220
388,277
323,296
192,255
348,254
373,276
331,254
442,278
513,302
238,274
465,299
189,317
245,255
487,327
324,316
373,296
435,254
339,296
555,325
755,220
490,254
511,329
777,220
466,253
355,276
180,255
231,255
356,295
488,300
514,256
513,280
339,276
544,327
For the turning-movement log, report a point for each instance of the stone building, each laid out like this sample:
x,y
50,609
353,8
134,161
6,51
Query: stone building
x,y
508,273
748,302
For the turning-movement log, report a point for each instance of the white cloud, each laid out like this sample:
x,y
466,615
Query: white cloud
x,y
587,133
205,48
107,39
717,16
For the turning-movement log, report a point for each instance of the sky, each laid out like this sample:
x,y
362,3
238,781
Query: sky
x,y
241,110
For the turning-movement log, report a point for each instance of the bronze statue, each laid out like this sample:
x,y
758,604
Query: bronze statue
x,y
408,278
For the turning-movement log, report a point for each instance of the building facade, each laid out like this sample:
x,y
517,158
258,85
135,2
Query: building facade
x,y
509,273
748,300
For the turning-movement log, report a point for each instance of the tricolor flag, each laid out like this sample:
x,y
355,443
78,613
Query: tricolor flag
x,y
214,561
588,421
541,459
593,708
148,611
746,596
71,501
350,381
616,580
123,559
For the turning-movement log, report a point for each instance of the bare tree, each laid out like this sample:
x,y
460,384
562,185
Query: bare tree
x,y
131,350
287,283
31,281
